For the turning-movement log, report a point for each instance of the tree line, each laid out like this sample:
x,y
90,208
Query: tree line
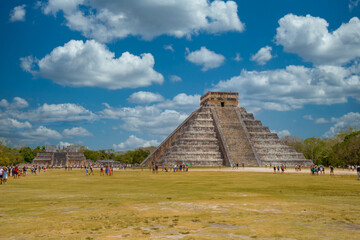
x,y
14,156
340,150
128,157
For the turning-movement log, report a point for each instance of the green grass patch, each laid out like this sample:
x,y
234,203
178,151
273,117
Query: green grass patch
x,y
193,205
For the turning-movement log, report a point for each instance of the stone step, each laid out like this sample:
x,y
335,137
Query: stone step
x,y
197,142
247,116
193,155
189,148
200,129
283,156
302,162
258,143
275,150
263,136
200,124
252,123
203,121
198,135
256,129
208,163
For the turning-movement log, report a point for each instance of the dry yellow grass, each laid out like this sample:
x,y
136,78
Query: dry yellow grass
x,y
194,205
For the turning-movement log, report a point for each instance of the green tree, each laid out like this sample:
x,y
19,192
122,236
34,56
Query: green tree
x,y
28,154
347,152
92,155
316,150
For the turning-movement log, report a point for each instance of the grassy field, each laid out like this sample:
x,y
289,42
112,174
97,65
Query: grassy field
x,y
193,205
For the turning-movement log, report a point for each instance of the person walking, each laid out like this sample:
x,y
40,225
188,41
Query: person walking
x,y
331,170
1,175
358,172
5,175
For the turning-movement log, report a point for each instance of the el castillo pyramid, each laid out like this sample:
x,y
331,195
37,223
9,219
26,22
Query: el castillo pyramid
x,y
222,133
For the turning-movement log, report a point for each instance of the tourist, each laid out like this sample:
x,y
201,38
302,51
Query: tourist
x,y
331,170
358,172
110,171
156,168
4,175
282,168
15,172
87,171
101,171
107,170
1,174
174,167
274,169
91,170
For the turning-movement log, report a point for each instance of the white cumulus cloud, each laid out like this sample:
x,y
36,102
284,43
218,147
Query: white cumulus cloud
x,y
262,56
18,13
109,20
15,104
294,86
7,123
76,132
281,133
145,97
351,119
169,47
64,144
91,64
4,103
146,119
41,132
310,38
175,78
205,58
237,57
65,112
134,142
353,4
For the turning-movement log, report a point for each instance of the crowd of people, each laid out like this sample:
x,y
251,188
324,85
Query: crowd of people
x,y
174,168
17,171
278,168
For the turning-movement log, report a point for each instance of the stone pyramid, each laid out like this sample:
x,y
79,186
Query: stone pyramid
x,y
222,133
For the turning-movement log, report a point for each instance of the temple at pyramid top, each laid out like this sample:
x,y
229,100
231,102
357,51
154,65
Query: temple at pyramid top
x,y
222,133
220,99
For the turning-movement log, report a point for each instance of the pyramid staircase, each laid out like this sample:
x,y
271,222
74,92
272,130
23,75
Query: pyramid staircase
x,y
197,144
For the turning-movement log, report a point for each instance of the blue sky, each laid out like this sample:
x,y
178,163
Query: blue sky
x,y
124,74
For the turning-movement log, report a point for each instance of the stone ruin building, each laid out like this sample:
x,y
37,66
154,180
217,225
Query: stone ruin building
x,y
222,133
52,156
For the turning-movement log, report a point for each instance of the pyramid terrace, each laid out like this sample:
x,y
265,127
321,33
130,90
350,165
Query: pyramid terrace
x,y
220,133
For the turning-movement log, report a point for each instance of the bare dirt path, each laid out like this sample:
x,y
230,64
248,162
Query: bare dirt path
x,y
337,171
